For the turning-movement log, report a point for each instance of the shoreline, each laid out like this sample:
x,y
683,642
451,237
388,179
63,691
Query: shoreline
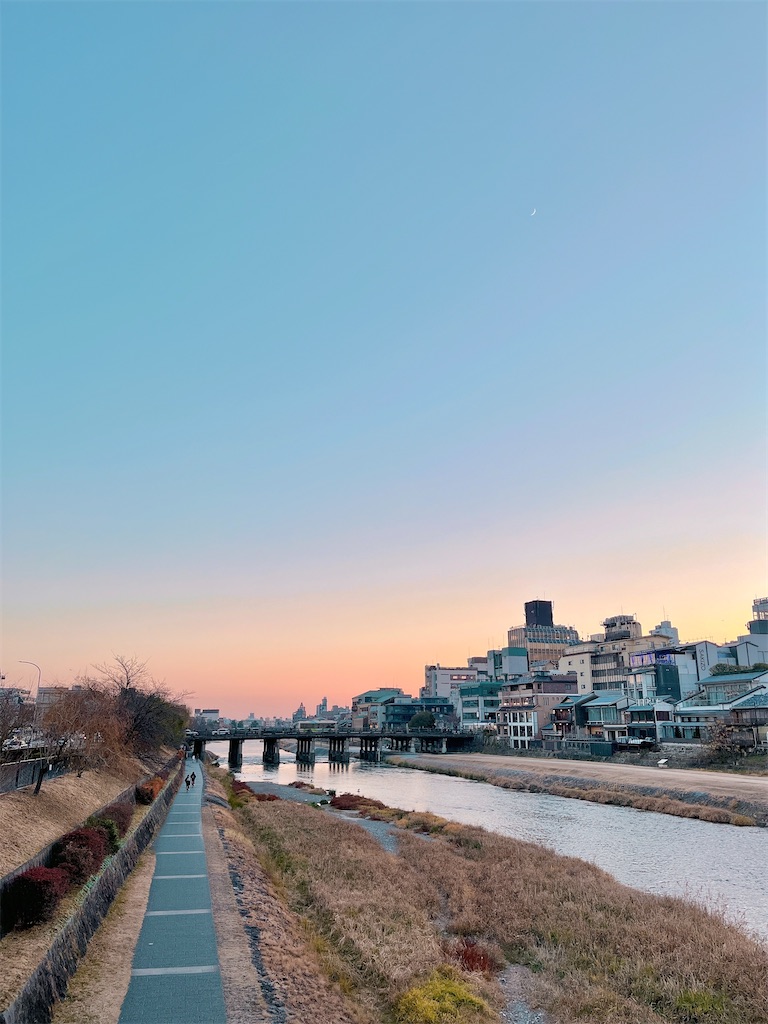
x,y
718,798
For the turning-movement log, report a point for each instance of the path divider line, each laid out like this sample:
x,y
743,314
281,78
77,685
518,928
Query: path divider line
x,y
174,913
157,877
145,972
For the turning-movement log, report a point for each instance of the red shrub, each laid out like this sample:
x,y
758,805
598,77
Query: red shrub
x,y
80,853
121,814
472,955
147,791
352,802
33,896
265,797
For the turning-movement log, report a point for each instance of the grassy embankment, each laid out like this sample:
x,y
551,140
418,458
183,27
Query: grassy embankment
x,y
30,823
705,807
403,933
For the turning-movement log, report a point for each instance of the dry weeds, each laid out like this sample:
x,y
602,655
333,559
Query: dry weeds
x,y
293,984
371,915
600,952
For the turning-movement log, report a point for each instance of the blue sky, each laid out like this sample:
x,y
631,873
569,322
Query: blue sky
x,y
288,361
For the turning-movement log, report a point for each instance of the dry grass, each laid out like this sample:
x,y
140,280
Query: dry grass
x,y
28,823
607,952
602,952
369,912
290,977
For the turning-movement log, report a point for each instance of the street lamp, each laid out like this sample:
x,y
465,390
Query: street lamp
x,y
39,673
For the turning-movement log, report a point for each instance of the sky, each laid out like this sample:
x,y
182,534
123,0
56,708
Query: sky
x,y
300,395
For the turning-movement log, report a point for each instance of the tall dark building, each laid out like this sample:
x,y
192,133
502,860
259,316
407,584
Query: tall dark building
x,y
538,613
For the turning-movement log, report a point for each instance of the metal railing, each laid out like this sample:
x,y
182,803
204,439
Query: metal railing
x,y
18,774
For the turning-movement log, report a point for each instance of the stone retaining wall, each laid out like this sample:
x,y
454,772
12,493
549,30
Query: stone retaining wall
x,y
48,982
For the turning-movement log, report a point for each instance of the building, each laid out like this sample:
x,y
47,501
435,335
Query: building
x,y
394,713
478,703
441,681
543,641
717,702
750,714
207,715
300,714
363,702
569,717
604,663
605,716
47,696
666,672
665,628
644,720
527,705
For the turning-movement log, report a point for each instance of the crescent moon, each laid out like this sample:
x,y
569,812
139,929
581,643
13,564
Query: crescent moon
x,y
534,212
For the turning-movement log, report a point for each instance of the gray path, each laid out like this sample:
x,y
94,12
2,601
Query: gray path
x,y
175,977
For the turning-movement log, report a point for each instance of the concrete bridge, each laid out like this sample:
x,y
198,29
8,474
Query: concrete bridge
x,y
372,743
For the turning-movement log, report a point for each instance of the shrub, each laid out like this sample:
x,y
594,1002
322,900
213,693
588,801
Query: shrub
x,y
121,814
147,791
352,802
265,797
110,829
443,999
81,852
473,955
32,897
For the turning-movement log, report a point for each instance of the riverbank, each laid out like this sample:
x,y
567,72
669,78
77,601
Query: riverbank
x,y
392,927
710,796
318,919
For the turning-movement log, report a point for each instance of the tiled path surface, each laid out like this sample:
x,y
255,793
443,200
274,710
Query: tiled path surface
x,y
175,977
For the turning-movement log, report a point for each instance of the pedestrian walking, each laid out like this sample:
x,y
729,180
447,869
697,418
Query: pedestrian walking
x,y
187,780
192,777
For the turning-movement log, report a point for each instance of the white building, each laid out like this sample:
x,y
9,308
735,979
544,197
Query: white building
x,y
442,681
665,628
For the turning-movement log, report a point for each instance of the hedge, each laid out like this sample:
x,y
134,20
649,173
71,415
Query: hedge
x,y
34,895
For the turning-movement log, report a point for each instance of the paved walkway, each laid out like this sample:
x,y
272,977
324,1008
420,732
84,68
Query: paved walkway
x,y
175,977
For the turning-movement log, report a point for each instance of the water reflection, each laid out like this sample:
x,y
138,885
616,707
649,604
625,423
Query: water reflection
x,y
720,866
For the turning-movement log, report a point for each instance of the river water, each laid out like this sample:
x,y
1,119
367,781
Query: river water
x,y
720,866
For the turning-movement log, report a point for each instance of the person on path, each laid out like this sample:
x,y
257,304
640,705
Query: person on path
x,y
193,777
187,780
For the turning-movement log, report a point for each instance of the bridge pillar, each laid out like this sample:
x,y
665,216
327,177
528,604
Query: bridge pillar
x,y
271,753
369,748
305,750
235,758
338,750
198,749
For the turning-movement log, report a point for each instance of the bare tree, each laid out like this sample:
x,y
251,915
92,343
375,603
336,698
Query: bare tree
x,y
85,726
14,714
152,715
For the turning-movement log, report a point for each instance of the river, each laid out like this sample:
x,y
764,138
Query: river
x,y
720,866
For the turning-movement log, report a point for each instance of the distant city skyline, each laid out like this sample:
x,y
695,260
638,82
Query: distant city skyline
x,y
297,394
